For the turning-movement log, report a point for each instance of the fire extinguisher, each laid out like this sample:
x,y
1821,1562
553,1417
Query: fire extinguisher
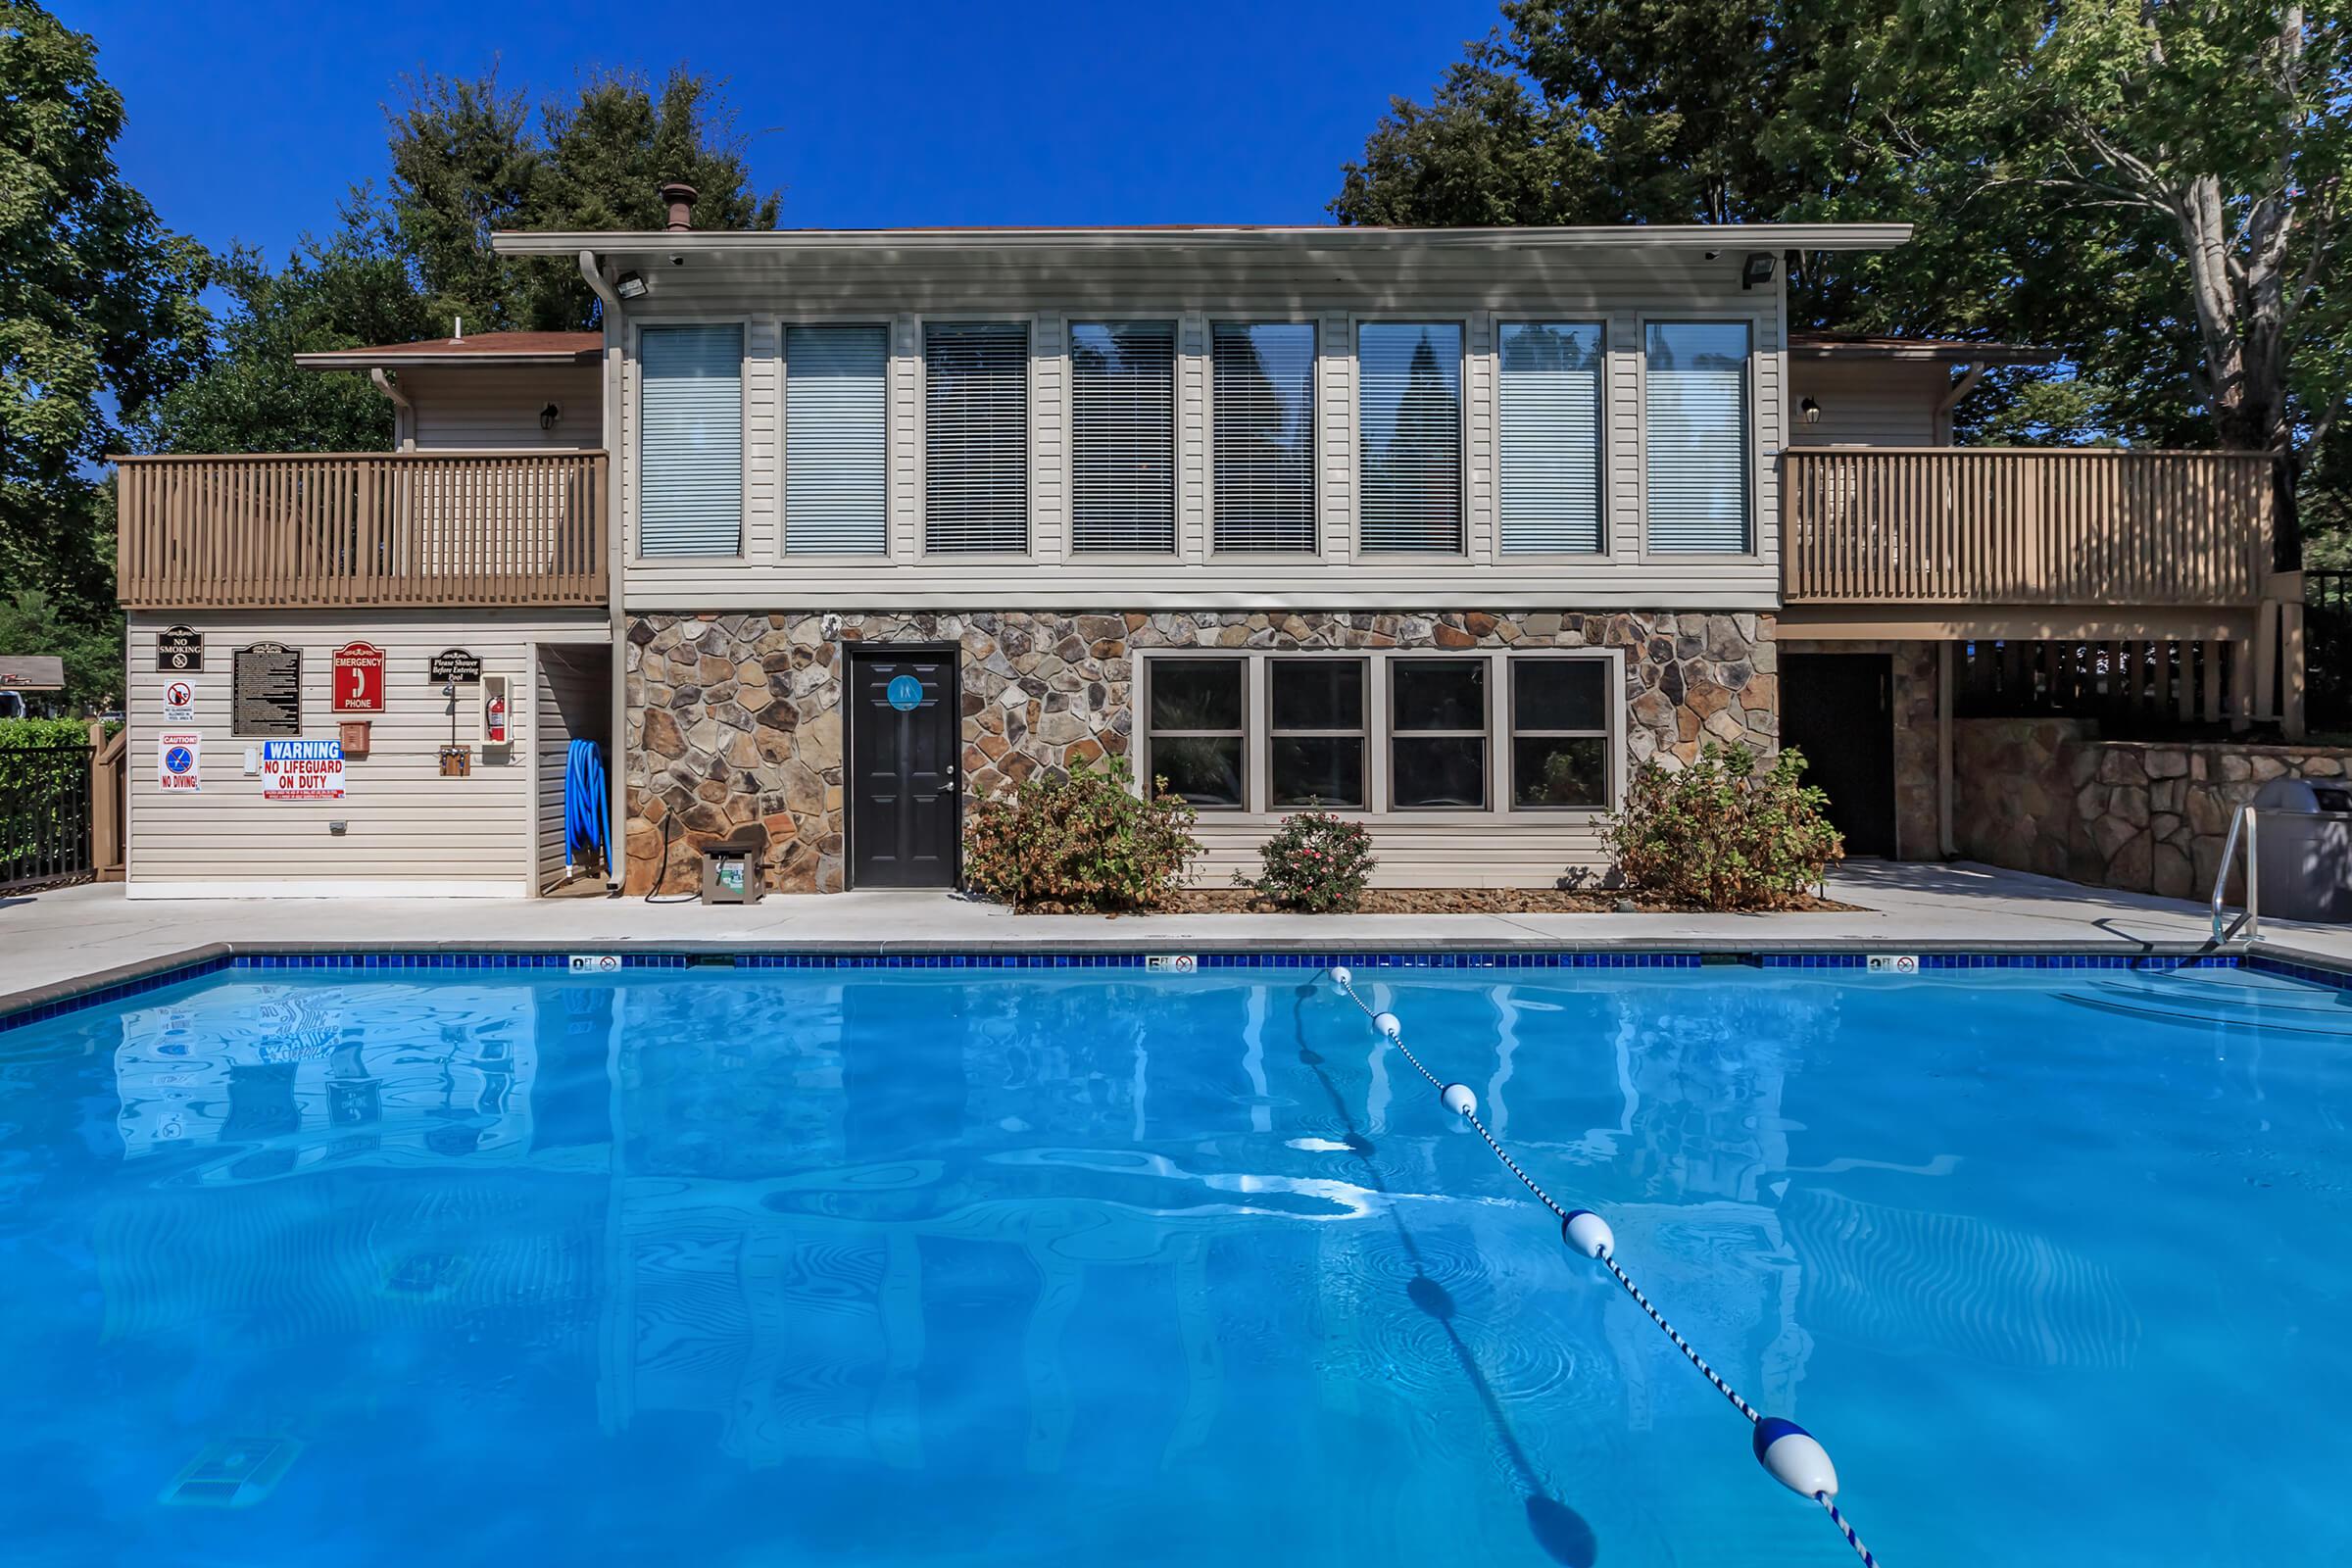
x,y
494,721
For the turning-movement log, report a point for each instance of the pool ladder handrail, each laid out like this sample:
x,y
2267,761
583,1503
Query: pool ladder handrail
x,y
2247,820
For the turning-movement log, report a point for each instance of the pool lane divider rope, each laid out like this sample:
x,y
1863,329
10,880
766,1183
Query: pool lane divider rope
x,y
1789,1453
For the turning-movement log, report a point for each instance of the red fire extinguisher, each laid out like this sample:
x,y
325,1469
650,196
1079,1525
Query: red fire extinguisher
x,y
494,721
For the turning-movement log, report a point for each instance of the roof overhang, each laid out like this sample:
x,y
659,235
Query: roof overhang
x,y
784,243
1919,351
414,356
32,672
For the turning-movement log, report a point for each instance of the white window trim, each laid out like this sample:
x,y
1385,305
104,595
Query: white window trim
x,y
634,522
923,553
1605,480
1256,715
1359,556
1314,440
783,554
1760,330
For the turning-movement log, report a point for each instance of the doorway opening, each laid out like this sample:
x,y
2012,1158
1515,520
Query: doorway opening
x,y
1838,710
904,715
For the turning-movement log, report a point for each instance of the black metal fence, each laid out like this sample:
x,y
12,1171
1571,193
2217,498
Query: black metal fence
x,y
2327,648
44,815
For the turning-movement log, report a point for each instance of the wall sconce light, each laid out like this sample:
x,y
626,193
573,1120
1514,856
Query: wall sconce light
x,y
1758,269
631,286
1810,410
550,416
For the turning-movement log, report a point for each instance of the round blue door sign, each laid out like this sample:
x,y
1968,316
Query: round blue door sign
x,y
904,693
180,759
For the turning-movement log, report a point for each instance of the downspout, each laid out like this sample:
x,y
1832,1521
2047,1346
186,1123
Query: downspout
x,y
616,774
404,420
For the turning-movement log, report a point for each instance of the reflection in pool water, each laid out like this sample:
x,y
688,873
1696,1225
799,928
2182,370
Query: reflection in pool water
x,y
996,1267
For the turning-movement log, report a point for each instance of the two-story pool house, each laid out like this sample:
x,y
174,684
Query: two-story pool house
x,y
1442,529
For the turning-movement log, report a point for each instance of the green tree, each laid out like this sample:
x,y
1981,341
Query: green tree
x,y
98,311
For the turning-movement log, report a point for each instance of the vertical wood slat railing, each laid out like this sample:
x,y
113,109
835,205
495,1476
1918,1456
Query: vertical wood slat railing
x,y
2023,526
425,529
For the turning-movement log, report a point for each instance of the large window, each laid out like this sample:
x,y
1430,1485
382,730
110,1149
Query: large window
x,y
1559,734
1549,438
690,449
1123,436
835,459
1696,426
976,438
1315,754
1409,435
1262,397
1491,731
1438,734
1196,729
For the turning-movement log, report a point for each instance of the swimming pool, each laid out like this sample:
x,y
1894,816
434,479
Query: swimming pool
x,y
1086,1265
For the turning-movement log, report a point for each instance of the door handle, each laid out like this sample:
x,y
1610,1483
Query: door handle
x,y
948,788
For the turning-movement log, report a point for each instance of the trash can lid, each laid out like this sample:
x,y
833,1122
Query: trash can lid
x,y
2302,797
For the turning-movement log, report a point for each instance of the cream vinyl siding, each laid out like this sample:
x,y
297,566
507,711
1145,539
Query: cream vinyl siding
x,y
1618,289
496,408
1868,403
573,699
409,827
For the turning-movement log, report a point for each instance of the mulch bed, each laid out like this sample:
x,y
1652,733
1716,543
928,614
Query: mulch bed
x,y
1469,900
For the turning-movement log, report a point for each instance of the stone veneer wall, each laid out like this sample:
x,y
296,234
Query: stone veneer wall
x,y
2047,795
736,718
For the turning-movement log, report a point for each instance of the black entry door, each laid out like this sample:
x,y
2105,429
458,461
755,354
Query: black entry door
x,y
904,818
1838,710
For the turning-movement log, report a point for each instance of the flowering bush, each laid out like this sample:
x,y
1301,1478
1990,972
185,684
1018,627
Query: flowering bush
x,y
1316,863
1080,843
1715,835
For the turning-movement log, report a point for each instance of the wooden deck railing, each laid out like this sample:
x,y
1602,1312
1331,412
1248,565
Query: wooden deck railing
x,y
427,529
2023,526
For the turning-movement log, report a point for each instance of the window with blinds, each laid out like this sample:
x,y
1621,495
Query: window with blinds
x,y
976,438
1262,410
835,458
1409,435
1696,429
690,447
1123,436
1550,437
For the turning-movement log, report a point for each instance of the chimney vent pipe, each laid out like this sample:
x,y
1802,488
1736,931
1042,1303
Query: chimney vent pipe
x,y
678,198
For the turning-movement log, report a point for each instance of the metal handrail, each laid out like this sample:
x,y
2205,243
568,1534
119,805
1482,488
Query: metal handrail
x,y
2247,820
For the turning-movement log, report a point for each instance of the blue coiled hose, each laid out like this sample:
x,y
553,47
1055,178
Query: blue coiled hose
x,y
586,803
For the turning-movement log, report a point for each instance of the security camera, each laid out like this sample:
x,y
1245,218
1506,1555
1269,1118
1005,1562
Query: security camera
x,y
677,261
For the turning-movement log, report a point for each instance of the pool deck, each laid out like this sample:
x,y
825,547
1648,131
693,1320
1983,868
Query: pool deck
x,y
58,941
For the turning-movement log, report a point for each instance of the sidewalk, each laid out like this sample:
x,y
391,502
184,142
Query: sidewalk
x,y
54,938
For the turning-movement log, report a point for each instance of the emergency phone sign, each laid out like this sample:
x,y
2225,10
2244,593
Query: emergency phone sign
x,y
302,770
359,678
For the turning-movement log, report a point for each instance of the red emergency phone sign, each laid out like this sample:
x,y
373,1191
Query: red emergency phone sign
x,y
359,676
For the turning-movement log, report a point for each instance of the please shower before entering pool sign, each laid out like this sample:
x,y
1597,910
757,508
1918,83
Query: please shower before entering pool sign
x,y
302,770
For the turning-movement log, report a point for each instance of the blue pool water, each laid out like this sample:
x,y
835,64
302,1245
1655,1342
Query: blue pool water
x,y
1086,1267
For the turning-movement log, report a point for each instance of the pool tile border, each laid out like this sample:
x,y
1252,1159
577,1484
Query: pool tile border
x,y
202,962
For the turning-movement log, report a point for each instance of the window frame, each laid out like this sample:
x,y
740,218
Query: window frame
x,y
1028,322
1247,734
1605,486
1612,697
1316,407
1754,474
1071,551
635,520
1363,733
1485,734
1462,323
784,555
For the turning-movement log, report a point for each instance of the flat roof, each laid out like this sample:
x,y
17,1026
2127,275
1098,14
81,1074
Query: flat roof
x,y
32,672
483,348
1210,237
1946,350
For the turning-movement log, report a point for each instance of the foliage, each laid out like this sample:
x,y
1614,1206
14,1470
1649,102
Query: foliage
x,y
1316,862
98,308
33,623
1715,835
1081,842
24,734
2154,190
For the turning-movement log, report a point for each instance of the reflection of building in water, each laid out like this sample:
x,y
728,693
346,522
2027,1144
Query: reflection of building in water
x,y
280,1079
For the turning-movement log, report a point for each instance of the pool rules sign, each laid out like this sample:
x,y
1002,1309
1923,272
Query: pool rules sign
x,y
302,770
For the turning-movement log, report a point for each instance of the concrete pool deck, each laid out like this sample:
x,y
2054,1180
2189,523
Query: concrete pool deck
x,y
67,938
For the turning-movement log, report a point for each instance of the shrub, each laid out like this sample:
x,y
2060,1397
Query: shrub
x,y
1082,842
1316,863
1718,835
37,732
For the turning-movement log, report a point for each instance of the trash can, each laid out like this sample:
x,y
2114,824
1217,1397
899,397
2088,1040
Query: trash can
x,y
731,867
2305,849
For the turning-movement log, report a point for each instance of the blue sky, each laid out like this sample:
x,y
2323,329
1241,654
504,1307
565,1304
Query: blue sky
x,y
247,122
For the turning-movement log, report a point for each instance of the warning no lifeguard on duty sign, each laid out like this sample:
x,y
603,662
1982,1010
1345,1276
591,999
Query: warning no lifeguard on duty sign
x,y
302,770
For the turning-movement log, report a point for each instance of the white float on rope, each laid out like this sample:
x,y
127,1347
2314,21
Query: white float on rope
x,y
1589,1234
1388,1024
1459,1099
1789,1454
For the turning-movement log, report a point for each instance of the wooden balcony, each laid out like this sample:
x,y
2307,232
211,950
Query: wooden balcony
x,y
376,531
2023,526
